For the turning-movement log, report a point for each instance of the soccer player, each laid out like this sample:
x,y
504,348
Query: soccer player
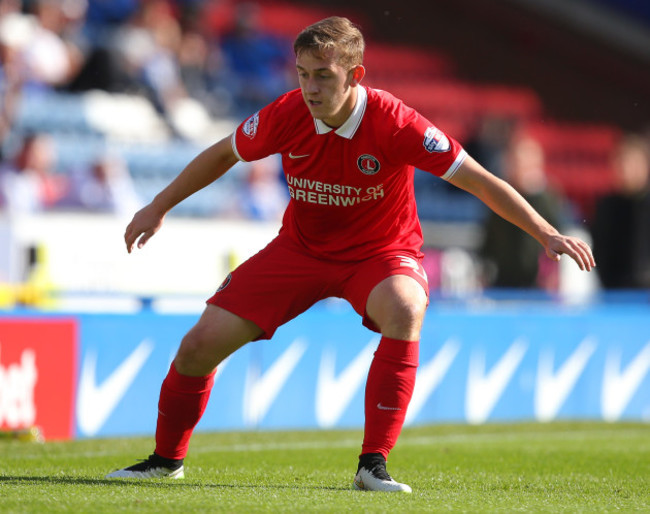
x,y
350,231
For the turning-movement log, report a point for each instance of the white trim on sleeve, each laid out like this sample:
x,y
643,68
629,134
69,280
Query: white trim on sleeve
x,y
233,142
460,158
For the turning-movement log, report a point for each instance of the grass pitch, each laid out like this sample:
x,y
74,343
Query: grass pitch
x,y
558,467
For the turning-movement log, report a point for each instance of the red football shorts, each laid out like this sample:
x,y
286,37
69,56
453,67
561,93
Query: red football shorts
x,y
283,280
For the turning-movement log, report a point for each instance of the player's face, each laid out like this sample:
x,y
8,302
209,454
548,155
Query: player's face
x,y
329,90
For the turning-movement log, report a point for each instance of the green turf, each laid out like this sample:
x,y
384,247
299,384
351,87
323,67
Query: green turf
x,y
558,467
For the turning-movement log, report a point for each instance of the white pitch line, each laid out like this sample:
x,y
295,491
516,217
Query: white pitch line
x,y
427,440
432,440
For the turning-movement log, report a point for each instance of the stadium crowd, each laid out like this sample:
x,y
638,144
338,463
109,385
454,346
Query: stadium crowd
x,y
218,55
214,53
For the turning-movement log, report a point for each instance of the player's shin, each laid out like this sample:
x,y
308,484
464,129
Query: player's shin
x,y
389,388
183,400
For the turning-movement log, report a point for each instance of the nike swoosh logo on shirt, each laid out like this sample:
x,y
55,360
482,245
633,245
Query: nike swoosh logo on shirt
x,y
291,156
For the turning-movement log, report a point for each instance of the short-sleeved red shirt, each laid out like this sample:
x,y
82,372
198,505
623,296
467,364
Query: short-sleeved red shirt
x,y
351,188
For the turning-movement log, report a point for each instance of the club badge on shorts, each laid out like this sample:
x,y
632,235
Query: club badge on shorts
x,y
225,283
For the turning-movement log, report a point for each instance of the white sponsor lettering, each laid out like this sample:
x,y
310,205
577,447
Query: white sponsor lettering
x,y
553,389
323,193
485,389
17,383
334,394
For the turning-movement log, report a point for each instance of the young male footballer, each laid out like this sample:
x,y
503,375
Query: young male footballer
x,y
350,231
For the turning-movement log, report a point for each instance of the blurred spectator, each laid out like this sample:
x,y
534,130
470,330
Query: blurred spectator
x,y
103,13
106,186
489,142
263,194
202,72
42,41
152,54
104,67
621,228
511,257
148,44
259,62
10,75
29,183
170,51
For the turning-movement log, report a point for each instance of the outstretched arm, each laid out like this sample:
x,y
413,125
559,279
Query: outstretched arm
x,y
503,199
204,169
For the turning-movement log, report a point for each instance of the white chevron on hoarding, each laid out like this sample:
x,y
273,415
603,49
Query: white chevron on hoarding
x,y
620,385
95,403
485,389
334,394
552,389
261,390
429,377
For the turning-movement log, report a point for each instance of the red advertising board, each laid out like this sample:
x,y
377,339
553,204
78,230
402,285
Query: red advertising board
x,y
38,375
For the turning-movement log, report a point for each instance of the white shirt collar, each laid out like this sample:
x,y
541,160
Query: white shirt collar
x,y
349,128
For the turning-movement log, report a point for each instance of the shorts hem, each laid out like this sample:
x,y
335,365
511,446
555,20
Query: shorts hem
x,y
266,333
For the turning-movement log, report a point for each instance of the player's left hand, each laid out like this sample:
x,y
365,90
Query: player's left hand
x,y
574,247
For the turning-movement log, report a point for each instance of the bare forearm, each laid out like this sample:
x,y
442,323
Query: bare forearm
x,y
504,200
510,205
204,169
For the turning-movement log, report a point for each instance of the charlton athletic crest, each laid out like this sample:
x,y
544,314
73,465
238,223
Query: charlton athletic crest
x,y
368,164
225,283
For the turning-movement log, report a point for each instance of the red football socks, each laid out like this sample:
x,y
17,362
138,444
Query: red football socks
x,y
183,400
389,388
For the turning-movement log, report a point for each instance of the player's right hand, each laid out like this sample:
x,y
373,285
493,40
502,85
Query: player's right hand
x,y
146,222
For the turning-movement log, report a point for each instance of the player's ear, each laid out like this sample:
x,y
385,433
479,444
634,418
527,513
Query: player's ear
x,y
358,72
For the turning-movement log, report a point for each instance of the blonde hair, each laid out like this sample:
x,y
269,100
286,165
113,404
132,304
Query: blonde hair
x,y
336,33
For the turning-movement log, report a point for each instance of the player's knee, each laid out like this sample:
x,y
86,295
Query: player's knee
x,y
397,306
410,312
402,319
194,342
197,353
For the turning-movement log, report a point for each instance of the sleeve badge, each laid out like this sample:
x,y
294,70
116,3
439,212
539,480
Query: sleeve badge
x,y
250,125
435,140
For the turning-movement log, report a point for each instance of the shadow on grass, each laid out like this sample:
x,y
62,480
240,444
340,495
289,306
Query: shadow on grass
x,y
152,483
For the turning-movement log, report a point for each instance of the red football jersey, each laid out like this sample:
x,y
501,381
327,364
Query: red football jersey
x,y
351,188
